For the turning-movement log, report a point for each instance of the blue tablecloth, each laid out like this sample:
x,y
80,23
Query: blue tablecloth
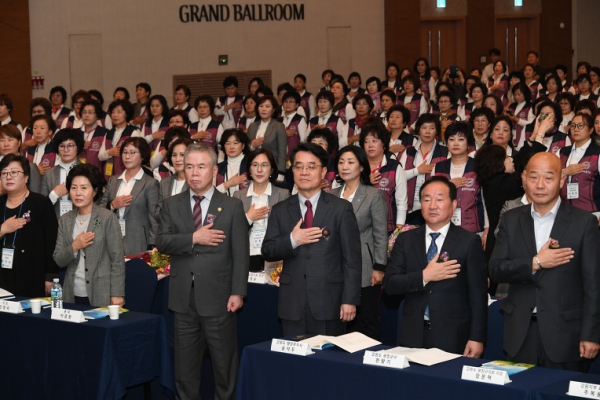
x,y
98,359
558,390
336,374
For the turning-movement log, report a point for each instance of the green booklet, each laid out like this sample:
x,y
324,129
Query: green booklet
x,y
510,367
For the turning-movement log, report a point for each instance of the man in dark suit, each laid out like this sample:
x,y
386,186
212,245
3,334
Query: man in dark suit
x,y
446,296
317,237
205,233
549,253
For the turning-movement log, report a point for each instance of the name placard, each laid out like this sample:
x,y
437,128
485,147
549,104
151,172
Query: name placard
x,y
11,307
291,347
388,360
585,390
257,277
485,375
62,314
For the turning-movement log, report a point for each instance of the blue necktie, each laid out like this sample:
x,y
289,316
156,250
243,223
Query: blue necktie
x,y
431,251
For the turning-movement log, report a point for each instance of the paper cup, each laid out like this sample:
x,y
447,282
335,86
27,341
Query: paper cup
x,y
36,306
113,312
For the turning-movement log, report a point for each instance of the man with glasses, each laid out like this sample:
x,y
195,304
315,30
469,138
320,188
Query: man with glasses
x,y
317,237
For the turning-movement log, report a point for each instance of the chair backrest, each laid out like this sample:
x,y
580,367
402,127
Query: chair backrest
x,y
140,285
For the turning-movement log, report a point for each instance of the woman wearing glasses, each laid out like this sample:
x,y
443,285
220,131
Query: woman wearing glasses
x,y
258,198
581,166
27,233
74,120
10,143
133,196
69,143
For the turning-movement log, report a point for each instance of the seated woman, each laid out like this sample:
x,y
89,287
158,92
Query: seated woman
x,y
133,196
326,118
175,183
10,143
28,228
363,106
231,173
74,119
258,199
341,106
386,173
69,143
369,204
416,103
89,244
400,139
43,154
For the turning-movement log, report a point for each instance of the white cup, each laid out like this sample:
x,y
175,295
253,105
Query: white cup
x,y
36,306
113,312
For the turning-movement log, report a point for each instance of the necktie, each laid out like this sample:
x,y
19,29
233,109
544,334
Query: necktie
x,y
308,216
431,251
197,211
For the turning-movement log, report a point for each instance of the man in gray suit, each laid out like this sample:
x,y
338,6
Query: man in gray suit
x,y
205,233
317,237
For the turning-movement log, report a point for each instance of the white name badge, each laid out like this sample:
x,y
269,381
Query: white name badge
x,y
585,390
65,206
62,314
485,375
7,258
257,277
11,307
457,217
291,347
257,235
385,359
122,225
572,191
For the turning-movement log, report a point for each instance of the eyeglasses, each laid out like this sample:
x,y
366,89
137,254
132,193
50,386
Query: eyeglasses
x,y
578,126
13,174
130,153
262,166
69,146
310,167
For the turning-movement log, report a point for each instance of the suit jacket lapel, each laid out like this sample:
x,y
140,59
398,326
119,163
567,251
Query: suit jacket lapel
x,y
93,217
322,210
561,222
449,242
359,197
135,191
269,129
294,209
419,246
214,207
185,211
528,230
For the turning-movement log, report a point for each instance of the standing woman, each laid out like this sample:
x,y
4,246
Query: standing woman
x,y
175,183
74,119
520,112
585,89
269,134
481,119
28,233
38,106
133,196
400,140
388,99
535,87
581,166
258,199
421,69
363,105
477,92
156,126
501,135
386,173
595,80
58,96
341,106
249,104
93,133
393,80
231,173
374,90
69,143
498,82
296,127
254,84
415,103
553,88
513,78
10,143
494,103
43,154
89,244
326,118
121,112
368,203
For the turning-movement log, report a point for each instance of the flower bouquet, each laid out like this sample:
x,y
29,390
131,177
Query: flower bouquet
x,y
395,234
161,263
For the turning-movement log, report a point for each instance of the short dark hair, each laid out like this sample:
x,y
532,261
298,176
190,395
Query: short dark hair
x,y
389,93
144,86
43,102
312,148
448,94
257,80
377,129
47,118
174,131
339,79
516,74
585,64
286,86
325,133
182,114
207,99
325,94
535,53
69,134
240,135
522,86
229,81
494,52
428,118
555,109
363,161
412,79
482,111
5,100
327,71
265,90
480,85
440,179
185,88
252,97
125,105
498,101
96,93
301,76
392,64
583,77
489,162
80,94
268,97
374,79
269,154
12,131
463,128
122,89
62,92
402,110
181,140
355,74
291,94
93,175
163,102
585,104
364,97
501,118
9,158
140,144
555,78
561,67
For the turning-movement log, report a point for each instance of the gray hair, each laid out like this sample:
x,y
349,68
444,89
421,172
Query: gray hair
x,y
202,148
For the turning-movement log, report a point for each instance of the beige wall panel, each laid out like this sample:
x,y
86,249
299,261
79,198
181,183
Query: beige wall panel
x,y
85,61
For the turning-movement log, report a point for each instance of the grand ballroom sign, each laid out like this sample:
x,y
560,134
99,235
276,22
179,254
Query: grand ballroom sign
x,y
240,12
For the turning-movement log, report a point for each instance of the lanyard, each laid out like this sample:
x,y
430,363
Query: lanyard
x,y
19,212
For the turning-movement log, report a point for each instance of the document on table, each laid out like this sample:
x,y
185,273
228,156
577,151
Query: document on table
x,y
351,342
6,294
427,357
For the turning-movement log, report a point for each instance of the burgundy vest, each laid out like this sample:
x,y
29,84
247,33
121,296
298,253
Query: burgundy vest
x,y
415,106
212,129
164,126
116,162
522,115
48,158
237,111
588,180
292,141
304,104
387,184
332,123
440,153
222,174
90,156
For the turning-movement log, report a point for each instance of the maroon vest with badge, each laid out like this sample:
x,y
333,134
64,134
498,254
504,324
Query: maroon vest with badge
x,y
440,153
469,196
414,108
164,127
424,86
114,165
212,129
331,123
522,115
340,110
304,104
90,156
62,115
48,158
387,184
237,111
292,141
222,174
588,181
